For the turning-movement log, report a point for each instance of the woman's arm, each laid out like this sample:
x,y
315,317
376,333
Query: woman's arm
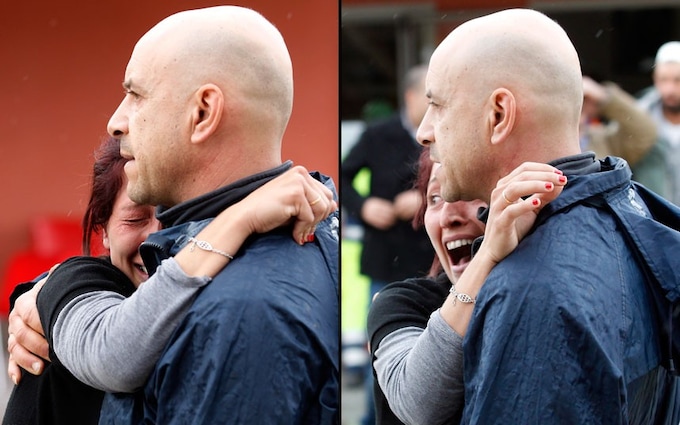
x,y
155,310
422,388
111,342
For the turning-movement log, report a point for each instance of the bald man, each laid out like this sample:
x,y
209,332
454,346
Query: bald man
x,y
208,96
564,329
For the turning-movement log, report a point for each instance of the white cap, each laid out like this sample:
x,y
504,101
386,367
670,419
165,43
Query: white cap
x,y
668,52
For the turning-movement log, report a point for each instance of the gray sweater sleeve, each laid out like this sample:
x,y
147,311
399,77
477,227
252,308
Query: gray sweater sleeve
x,y
111,342
421,372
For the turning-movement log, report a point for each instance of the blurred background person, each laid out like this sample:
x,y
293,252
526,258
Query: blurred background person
x,y
660,170
388,149
612,124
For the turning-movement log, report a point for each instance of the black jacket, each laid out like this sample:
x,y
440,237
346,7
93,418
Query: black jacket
x,y
391,154
56,396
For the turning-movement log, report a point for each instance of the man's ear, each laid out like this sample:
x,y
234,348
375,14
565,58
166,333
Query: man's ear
x,y
502,114
207,113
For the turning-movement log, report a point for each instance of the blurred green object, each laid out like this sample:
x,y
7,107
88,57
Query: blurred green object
x,y
376,109
355,287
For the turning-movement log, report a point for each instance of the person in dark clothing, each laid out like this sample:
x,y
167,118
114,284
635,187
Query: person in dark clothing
x,y
65,392
392,250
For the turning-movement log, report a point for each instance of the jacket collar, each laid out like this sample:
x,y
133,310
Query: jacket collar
x,y
588,177
212,203
188,218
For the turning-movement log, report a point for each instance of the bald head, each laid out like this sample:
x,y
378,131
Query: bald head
x,y
505,88
209,95
238,50
526,52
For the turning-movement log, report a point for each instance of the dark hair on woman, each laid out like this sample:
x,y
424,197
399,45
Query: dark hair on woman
x,y
107,179
425,165
424,168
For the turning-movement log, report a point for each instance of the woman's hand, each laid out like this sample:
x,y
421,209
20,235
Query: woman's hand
x,y
515,203
295,197
26,343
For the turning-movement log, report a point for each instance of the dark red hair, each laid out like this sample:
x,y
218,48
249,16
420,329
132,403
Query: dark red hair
x,y
425,165
107,180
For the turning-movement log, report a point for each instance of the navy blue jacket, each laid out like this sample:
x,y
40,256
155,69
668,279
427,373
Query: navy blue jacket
x,y
260,343
568,328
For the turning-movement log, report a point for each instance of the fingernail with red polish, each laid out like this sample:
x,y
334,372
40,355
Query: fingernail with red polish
x,y
549,186
310,237
535,202
562,179
558,172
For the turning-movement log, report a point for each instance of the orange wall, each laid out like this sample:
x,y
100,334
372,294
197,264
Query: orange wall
x,y
61,68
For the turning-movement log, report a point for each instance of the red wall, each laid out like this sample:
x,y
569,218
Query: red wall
x,y
61,68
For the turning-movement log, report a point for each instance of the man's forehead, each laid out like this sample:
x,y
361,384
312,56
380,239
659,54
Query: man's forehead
x,y
433,82
146,56
437,67
670,69
130,71
140,73
443,53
